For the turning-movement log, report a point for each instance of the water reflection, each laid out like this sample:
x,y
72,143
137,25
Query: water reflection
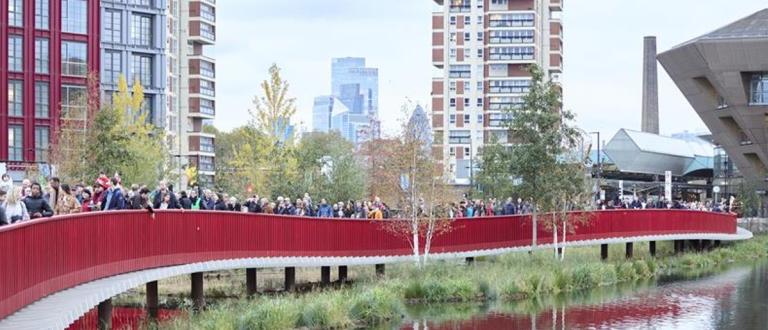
x,y
735,299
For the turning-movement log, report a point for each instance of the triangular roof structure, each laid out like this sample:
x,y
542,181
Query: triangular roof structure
x,y
752,26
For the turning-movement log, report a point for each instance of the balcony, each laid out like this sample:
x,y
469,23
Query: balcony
x,y
202,88
202,68
202,32
202,11
202,108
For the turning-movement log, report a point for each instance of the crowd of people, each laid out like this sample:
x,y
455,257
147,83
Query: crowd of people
x,y
31,200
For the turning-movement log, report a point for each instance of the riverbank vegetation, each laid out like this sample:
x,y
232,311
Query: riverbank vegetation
x,y
511,277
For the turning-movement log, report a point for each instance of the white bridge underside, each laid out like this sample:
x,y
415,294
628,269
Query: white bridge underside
x,y
61,309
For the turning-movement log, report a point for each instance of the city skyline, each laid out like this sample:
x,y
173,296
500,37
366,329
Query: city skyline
x,y
395,37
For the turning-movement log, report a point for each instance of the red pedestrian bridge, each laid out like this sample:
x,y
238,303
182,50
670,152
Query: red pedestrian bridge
x,y
53,271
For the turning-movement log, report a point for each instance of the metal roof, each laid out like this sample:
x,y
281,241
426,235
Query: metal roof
x,y
647,153
752,26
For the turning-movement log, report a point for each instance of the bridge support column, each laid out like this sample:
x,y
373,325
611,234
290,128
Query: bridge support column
x,y
343,274
105,314
629,251
706,245
152,300
652,248
290,278
717,243
198,295
678,246
380,269
325,275
469,261
250,281
603,251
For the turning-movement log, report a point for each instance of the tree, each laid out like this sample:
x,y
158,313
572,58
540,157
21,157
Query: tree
x,y
421,189
542,133
120,139
69,147
327,167
272,111
494,176
265,158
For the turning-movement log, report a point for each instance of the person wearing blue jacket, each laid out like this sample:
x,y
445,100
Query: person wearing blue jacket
x,y
324,210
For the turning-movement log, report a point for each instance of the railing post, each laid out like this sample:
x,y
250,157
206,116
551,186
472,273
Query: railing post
x,y
105,314
290,278
343,274
250,281
325,275
152,300
198,294
380,270
629,250
652,248
603,251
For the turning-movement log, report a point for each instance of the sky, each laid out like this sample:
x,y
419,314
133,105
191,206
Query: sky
x,y
603,41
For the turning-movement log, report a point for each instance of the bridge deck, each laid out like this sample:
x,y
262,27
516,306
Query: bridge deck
x,y
77,262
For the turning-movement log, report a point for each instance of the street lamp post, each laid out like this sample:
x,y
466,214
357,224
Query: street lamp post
x,y
599,166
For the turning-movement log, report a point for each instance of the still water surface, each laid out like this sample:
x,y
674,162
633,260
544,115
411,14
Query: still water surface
x,y
733,299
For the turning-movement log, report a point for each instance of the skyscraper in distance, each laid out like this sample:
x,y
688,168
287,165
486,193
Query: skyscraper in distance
x,y
483,49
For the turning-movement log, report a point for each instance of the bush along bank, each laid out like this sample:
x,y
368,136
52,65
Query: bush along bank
x,y
505,278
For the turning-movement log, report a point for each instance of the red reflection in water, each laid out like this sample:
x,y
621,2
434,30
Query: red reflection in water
x,y
123,318
640,311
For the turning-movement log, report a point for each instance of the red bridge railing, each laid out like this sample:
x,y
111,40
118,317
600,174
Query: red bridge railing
x,y
41,257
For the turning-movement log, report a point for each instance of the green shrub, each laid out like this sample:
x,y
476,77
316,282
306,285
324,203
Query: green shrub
x,y
625,272
585,277
641,269
375,306
265,314
487,290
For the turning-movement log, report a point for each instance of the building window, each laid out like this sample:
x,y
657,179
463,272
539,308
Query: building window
x,y
480,86
206,144
74,58
452,37
467,152
42,99
466,102
206,163
73,102
42,138
452,53
148,108
452,103
479,102
511,37
15,53
467,53
460,71
141,67
467,119
759,89
206,30
16,13
74,16
452,119
511,20
452,86
141,30
479,53
42,18
207,88
207,12
511,53
113,63
480,20
480,117
479,36
15,97
141,2
453,20
207,69
113,26
467,20
207,107
41,56
451,152
459,137
517,86
467,36
498,119
467,89
15,143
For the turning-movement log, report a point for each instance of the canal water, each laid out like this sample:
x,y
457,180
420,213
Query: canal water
x,y
736,298
732,299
